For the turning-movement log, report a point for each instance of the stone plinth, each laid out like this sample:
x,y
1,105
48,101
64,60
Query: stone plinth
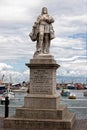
x,y
37,101
43,75
42,109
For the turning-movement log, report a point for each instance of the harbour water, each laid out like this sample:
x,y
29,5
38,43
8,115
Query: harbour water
x,y
78,105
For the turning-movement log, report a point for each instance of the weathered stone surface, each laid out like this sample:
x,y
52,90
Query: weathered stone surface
x,y
59,113
42,32
42,81
43,75
41,101
44,59
41,124
42,109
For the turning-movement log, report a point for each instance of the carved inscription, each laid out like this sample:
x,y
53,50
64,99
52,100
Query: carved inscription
x,y
41,80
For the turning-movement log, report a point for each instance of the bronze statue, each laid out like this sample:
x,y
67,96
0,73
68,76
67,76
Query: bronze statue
x,y
43,32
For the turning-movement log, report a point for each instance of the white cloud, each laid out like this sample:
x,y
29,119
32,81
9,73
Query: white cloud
x,y
10,74
26,72
17,11
73,69
67,25
16,21
4,66
14,47
64,48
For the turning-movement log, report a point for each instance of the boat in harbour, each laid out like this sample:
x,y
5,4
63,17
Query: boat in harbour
x,y
2,88
8,93
23,87
71,86
65,92
72,96
85,87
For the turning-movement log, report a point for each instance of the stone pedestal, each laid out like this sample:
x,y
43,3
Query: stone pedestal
x,y
42,110
43,75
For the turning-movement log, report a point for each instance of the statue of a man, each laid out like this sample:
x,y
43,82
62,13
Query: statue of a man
x,y
43,32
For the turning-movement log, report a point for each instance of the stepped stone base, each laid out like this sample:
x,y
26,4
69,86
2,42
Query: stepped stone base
x,y
42,110
35,118
41,124
59,113
46,117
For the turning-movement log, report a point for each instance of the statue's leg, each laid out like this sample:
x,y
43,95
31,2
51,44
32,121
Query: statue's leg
x,y
40,38
39,44
41,35
46,43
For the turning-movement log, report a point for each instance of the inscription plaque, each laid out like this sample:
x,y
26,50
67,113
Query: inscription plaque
x,y
41,81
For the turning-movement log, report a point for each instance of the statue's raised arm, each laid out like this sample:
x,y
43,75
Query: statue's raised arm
x,y
42,32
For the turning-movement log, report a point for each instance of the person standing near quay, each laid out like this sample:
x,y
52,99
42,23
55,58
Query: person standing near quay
x,y
42,32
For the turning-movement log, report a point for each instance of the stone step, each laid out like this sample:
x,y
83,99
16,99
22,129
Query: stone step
x,y
41,101
70,117
42,113
40,124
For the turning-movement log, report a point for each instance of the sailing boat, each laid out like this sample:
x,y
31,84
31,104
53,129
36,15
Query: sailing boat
x,y
8,93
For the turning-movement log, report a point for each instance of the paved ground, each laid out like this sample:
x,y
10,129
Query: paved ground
x,y
79,125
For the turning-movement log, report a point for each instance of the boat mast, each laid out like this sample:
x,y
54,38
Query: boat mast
x,y
11,80
2,80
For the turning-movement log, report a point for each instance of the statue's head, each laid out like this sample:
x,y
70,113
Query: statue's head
x,y
44,10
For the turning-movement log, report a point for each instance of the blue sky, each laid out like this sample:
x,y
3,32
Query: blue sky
x,y
68,48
